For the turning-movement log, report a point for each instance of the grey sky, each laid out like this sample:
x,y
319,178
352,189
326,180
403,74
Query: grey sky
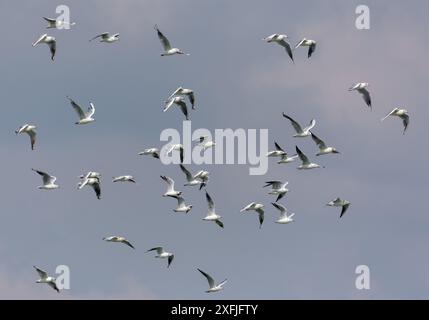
x,y
240,82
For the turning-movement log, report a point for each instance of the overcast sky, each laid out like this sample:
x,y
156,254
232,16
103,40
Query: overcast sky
x,y
240,82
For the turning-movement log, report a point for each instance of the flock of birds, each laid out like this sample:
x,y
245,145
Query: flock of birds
x,y
179,98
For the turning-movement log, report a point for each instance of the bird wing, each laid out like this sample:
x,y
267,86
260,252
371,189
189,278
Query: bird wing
x,y
51,21
42,274
210,203
302,156
97,189
191,97
47,179
295,124
189,176
158,250
102,35
318,141
180,201
247,207
219,223
170,260
125,241
32,133
278,147
406,121
53,48
91,110
53,285
389,114
281,208
300,43
311,49
273,184
344,209
169,104
208,277
183,107
174,93
260,216
169,181
164,41
43,36
286,45
366,97
311,125
77,108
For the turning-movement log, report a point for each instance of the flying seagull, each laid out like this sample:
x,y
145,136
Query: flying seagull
x,y
119,240
280,39
58,24
401,113
184,92
168,50
337,202
191,180
306,164
311,44
212,286
300,132
181,205
284,217
323,149
203,176
177,147
276,153
205,143
106,37
126,178
92,181
211,215
48,181
154,152
170,189
361,87
180,102
45,278
30,130
162,254
259,208
277,188
84,118
50,41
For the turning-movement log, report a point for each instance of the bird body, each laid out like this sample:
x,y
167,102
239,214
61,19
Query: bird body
x,y
126,178
184,92
258,208
337,202
30,130
311,44
106,37
170,189
45,278
211,214
306,163
119,239
162,254
50,41
48,181
323,148
284,217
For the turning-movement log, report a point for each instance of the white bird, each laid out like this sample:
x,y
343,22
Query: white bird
x,y
337,202
30,130
311,44
177,147
259,208
284,217
162,254
50,41
106,37
301,132
401,113
84,117
211,215
286,159
361,87
191,180
154,152
181,205
205,143
168,50
203,176
119,240
45,278
58,24
212,286
126,178
323,148
180,102
306,164
277,188
184,92
276,153
48,181
170,189
93,182
280,39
